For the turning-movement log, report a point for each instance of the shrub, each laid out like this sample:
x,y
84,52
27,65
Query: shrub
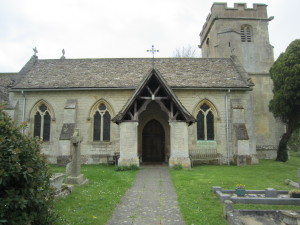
x,y
124,168
120,168
294,193
177,167
25,193
133,167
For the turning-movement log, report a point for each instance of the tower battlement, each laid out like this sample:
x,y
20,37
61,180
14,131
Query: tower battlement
x,y
239,11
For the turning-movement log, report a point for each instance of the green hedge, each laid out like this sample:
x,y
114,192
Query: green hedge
x,y
25,193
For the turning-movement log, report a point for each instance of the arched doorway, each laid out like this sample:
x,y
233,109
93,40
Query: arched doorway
x,y
153,142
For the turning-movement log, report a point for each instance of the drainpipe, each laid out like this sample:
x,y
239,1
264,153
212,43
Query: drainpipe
x,y
227,127
24,107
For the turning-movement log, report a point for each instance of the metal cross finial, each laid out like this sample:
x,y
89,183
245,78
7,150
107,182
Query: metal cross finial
x,y
35,51
63,54
153,51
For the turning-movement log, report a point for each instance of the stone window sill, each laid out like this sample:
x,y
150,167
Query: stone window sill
x,y
100,143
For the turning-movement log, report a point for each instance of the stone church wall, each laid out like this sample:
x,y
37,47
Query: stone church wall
x,y
92,151
268,129
85,100
191,98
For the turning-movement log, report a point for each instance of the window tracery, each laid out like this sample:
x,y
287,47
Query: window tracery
x,y
101,126
205,123
42,122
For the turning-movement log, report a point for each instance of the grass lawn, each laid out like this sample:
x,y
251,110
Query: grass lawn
x,y
93,203
199,205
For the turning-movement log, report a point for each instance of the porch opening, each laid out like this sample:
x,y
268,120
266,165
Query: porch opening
x,y
153,142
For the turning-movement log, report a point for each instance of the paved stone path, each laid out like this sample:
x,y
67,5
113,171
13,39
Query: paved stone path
x,y
150,201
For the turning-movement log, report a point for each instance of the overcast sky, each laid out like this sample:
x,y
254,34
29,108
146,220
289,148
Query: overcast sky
x,y
118,28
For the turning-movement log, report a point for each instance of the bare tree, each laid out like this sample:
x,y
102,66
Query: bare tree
x,y
185,52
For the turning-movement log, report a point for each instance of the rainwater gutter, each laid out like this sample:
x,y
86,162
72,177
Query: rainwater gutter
x,y
128,88
24,108
227,127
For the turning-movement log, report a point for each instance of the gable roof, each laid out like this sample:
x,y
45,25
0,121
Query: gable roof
x,y
129,72
154,88
7,80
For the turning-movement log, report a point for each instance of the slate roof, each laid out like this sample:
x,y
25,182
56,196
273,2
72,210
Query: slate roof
x,y
6,81
129,72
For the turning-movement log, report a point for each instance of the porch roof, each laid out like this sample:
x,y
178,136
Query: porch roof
x,y
154,88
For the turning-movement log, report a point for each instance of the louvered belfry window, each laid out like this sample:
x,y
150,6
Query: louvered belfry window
x,y
246,33
102,124
205,123
42,123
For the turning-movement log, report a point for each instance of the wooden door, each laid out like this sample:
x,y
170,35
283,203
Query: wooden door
x,y
153,142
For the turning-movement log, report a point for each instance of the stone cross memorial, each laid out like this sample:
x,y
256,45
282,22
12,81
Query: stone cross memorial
x,y
75,176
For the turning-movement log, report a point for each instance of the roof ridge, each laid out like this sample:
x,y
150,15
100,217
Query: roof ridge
x,y
133,58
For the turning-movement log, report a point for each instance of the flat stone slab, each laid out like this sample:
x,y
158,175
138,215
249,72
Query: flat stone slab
x,y
263,217
257,197
151,200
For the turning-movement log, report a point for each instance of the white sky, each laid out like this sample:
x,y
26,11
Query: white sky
x,y
118,28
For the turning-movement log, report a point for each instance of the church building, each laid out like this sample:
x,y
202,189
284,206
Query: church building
x,y
159,110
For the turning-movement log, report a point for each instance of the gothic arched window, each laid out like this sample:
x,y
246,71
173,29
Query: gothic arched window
x,y
205,123
101,128
42,122
246,33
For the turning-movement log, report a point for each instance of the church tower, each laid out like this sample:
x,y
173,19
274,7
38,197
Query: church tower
x,y
239,31
243,32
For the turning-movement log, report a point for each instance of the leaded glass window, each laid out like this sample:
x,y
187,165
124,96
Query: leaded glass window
x,y
106,126
37,124
42,123
97,125
205,123
210,126
200,126
102,123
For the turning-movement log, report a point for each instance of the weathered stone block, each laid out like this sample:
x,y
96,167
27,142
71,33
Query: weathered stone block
x,y
179,144
185,162
228,207
81,180
216,188
290,217
128,144
63,160
56,181
128,161
66,131
271,193
242,160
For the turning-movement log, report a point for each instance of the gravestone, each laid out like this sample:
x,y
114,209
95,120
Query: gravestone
x,y
75,176
56,181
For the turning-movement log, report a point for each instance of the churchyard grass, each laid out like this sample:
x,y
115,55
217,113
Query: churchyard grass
x,y
199,205
93,203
